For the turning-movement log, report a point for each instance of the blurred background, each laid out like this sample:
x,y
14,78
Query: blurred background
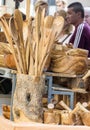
x,y
10,5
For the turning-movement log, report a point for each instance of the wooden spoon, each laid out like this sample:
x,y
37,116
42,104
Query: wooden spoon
x,y
16,39
9,39
19,26
58,24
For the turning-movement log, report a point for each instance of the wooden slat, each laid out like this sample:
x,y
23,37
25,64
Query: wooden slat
x,y
62,75
79,90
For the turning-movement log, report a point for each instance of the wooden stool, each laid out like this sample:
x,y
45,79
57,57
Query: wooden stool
x,y
60,90
57,90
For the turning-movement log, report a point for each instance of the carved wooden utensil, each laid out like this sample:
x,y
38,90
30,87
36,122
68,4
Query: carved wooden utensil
x,y
19,26
58,24
9,39
16,39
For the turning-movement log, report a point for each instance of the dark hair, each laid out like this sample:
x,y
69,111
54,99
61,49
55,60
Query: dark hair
x,y
77,7
17,3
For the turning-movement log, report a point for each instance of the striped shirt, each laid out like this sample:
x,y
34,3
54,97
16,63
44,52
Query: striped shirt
x,y
81,37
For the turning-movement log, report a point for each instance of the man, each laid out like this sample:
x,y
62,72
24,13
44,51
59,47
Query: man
x,y
81,35
61,4
87,15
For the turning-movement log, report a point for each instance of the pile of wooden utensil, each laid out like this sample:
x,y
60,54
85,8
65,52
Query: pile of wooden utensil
x,y
30,54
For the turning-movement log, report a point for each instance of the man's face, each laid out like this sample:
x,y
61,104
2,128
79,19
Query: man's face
x,y
72,17
87,17
59,5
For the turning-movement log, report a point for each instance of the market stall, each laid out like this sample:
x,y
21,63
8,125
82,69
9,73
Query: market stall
x,y
30,51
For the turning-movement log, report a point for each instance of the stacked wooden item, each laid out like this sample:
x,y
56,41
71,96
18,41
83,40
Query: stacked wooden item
x,y
23,32
30,49
30,44
80,115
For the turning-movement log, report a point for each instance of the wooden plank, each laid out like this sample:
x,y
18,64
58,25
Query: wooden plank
x,y
79,90
62,75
